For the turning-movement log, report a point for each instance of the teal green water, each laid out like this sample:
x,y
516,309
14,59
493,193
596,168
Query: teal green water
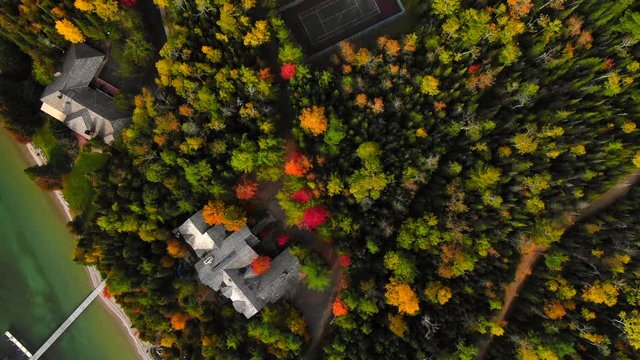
x,y
39,283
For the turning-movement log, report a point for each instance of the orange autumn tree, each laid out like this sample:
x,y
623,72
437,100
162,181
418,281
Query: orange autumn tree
x,y
519,8
246,189
261,265
213,212
339,308
175,248
298,165
216,212
314,120
402,296
179,320
555,310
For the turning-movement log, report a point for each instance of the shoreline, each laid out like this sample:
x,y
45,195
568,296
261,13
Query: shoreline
x,y
34,156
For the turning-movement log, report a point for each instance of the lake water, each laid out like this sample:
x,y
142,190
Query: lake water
x,y
39,283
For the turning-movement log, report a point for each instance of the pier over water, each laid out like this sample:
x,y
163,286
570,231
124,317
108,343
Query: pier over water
x,y
61,329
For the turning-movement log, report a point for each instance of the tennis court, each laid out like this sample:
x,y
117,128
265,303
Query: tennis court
x,y
318,24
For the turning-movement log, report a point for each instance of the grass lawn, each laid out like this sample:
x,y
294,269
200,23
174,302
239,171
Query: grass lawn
x,y
48,143
77,188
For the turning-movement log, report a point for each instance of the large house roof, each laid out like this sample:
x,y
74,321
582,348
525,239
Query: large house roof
x,y
80,67
85,110
234,253
198,234
226,267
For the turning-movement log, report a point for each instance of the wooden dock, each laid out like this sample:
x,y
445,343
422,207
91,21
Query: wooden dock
x,y
62,328
74,315
18,344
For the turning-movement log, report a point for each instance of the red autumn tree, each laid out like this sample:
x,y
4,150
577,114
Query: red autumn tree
x,y
315,216
282,239
298,165
302,196
339,308
129,3
261,265
105,293
473,68
246,189
344,260
288,71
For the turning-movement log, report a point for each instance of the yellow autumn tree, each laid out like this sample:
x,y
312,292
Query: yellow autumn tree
x,y
397,325
601,293
258,35
437,293
161,3
69,31
84,5
107,9
314,120
402,296
429,85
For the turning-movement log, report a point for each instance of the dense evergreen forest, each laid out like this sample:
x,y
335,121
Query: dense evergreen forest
x,y
432,164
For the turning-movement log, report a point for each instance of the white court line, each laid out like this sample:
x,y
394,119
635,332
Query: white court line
x,y
317,7
327,34
353,22
342,12
314,11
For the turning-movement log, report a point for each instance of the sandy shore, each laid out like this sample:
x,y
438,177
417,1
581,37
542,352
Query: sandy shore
x,y
35,156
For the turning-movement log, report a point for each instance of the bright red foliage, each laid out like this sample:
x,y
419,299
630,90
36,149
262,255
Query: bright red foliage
x,y
106,294
129,3
339,308
302,195
315,216
473,68
288,71
344,260
282,239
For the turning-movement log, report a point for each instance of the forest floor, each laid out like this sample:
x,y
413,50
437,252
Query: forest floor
x,y
531,254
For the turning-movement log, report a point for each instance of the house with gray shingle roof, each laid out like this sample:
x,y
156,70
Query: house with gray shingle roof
x,y
73,99
225,265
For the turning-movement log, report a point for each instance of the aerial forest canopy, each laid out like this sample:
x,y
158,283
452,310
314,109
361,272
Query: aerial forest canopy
x,y
438,168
